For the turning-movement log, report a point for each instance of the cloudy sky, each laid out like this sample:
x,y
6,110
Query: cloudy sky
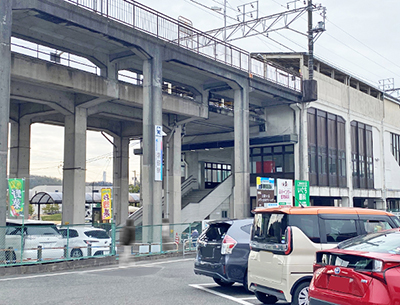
x,y
360,38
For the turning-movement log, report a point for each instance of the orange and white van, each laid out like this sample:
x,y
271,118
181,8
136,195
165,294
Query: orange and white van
x,y
284,241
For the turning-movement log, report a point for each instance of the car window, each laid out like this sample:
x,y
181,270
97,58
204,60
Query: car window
x,y
372,226
97,234
246,228
41,230
12,230
72,233
269,228
384,242
215,232
308,224
338,230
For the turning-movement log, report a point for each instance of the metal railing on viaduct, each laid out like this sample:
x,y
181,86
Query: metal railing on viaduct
x,y
143,18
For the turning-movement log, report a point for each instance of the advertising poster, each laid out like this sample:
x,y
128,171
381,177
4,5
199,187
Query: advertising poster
x,y
302,193
105,204
265,191
16,194
284,194
158,153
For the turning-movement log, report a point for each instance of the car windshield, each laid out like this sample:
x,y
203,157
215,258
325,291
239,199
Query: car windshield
x,y
41,230
384,242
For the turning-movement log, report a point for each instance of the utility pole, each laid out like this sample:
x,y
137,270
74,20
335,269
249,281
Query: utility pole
x,y
310,41
5,80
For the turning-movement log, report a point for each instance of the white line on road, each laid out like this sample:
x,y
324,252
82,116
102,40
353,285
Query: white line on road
x,y
237,300
95,270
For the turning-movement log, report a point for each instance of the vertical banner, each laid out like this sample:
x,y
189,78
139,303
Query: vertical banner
x,y
105,204
285,192
265,192
16,194
302,193
158,154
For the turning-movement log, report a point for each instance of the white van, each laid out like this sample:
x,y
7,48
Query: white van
x,y
284,241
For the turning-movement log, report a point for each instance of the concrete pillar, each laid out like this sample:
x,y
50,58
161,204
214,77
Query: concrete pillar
x,y
20,155
152,116
349,167
5,76
241,154
121,180
174,177
346,202
74,171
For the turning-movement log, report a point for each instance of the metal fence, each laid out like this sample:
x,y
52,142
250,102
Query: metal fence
x,y
35,242
143,18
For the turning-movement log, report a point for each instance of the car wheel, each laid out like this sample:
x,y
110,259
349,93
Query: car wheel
x,y
300,296
265,298
76,253
223,283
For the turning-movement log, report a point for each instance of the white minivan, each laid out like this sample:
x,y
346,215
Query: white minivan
x,y
284,240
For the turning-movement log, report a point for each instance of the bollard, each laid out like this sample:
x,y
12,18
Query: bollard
x,y
65,251
39,253
89,250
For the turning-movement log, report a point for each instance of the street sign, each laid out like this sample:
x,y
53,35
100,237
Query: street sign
x,y
265,191
302,193
284,194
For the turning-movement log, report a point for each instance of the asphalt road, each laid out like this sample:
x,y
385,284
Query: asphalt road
x,y
167,281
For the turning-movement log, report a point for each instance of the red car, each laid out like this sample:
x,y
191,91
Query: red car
x,y
364,270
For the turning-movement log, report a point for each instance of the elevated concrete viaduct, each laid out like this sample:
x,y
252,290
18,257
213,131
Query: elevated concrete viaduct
x,y
47,92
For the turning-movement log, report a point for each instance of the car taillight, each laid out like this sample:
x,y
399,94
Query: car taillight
x,y
288,238
379,268
89,242
228,244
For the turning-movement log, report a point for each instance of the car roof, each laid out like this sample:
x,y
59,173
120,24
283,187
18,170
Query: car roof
x,y
229,221
29,222
81,228
321,210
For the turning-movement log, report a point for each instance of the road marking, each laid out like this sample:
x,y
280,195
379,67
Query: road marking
x,y
237,300
135,265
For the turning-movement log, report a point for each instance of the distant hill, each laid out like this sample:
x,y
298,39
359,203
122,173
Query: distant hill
x,y
43,180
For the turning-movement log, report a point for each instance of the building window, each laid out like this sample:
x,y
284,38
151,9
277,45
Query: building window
x,y
326,149
394,145
224,214
362,156
215,173
271,160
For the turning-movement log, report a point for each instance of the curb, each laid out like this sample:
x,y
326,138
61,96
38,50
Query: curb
x,y
81,263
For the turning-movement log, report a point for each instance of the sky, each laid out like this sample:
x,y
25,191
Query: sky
x,y
360,38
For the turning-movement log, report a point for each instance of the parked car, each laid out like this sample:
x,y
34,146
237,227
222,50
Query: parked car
x,y
223,250
284,241
40,240
86,241
364,270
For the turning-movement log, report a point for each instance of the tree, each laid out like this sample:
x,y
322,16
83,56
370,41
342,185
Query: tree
x,y
134,188
51,208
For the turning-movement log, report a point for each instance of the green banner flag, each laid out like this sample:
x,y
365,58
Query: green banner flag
x,y
16,192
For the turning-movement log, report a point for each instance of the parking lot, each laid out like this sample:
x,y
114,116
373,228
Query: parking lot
x,y
160,281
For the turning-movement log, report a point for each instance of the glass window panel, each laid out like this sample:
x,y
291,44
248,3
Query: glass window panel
x,y
267,150
277,149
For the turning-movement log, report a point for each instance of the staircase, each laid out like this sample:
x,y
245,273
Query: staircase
x,y
196,204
